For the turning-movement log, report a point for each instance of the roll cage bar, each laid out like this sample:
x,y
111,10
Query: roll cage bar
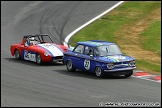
x,y
38,35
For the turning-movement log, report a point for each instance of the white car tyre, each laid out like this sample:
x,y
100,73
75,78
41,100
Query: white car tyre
x,y
17,54
38,59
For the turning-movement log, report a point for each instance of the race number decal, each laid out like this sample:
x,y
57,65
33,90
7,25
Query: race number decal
x,y
29,56
26,56
87,64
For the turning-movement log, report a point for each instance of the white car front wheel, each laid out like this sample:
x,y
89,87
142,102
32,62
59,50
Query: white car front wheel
x,y
38,59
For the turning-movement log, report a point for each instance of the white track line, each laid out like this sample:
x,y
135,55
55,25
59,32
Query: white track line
x,y
72,33
144,76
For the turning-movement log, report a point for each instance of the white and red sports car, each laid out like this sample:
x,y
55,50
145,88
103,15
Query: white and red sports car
x,y
38,48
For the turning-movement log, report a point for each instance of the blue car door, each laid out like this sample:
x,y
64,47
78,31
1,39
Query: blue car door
x,y
76,60
87,59
77,55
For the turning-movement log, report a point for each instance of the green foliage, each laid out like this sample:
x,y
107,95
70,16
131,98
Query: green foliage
x,y
151,38
150,66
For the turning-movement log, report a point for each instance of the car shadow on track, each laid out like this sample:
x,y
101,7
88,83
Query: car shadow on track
x,y
79,73
25,62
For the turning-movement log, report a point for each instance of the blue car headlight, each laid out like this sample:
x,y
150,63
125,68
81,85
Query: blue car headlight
x,y
46,53
110,65
132,63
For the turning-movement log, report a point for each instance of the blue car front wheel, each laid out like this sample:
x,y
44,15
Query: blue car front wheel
x,y
98,72
129,73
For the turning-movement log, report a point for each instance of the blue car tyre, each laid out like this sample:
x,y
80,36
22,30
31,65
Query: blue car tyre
x,y
98,72
129,74
69,66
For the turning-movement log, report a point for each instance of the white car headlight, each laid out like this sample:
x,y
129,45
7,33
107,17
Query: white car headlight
x,y
46,53
132,63
110,65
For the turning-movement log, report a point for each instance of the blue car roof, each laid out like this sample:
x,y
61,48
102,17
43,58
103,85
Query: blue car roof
x,y
95,43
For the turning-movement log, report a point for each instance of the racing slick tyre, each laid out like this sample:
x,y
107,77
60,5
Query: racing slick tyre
x,y
38,59
129,74
17,54
69,66
98,72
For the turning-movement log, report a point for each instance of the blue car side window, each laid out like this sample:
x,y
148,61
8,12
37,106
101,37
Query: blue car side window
x,y
96,51
79,49
88,50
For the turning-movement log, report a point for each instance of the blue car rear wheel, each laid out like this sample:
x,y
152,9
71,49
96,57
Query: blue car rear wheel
x,y
69,66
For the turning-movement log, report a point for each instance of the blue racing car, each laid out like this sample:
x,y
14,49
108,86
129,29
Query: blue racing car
x,y
100,57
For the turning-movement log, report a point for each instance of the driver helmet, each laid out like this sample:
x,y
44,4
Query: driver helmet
x,y
32,38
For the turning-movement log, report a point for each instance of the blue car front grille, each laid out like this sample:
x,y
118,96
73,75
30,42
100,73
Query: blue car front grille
x,y
121,64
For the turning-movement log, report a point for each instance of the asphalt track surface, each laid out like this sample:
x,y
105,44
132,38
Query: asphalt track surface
x,y
26,84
